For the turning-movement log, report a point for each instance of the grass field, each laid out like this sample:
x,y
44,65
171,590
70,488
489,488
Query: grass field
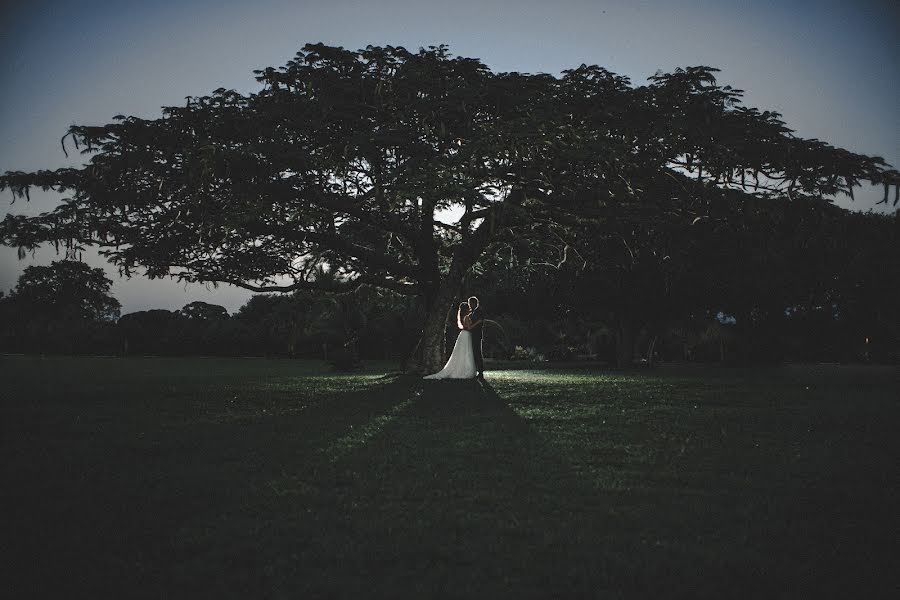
x,y
192,478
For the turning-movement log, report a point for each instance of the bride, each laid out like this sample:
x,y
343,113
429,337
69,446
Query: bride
x,y
461,364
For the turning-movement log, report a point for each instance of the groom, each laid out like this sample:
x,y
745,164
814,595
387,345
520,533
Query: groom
x,y
477,329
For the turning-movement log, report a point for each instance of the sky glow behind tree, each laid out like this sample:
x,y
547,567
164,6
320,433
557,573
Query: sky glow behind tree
x,y
830,68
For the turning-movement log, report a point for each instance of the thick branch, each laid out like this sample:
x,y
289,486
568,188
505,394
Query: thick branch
x,y
337,287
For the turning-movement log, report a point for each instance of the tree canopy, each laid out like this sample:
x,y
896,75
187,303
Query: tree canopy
x,y
65,289
400,169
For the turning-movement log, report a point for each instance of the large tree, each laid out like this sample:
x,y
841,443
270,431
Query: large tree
x,y
400,169
63,307
65,289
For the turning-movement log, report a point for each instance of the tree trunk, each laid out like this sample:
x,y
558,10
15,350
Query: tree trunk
x,y
441,296
429,354
291,340
624,343
651,350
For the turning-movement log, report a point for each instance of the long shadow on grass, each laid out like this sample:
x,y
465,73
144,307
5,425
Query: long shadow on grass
x,y
136,498
404,489
449,494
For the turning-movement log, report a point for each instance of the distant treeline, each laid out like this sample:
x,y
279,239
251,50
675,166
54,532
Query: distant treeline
x,y
364,326
537,325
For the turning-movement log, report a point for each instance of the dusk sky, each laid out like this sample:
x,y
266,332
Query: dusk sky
x,y
831,68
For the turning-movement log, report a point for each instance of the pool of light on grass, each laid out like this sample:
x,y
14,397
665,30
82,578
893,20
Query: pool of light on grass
x,y
321,383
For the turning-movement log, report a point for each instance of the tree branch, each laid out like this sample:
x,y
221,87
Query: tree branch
x,y
345,287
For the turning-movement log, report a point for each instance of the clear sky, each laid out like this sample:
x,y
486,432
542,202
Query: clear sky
x,y
831,68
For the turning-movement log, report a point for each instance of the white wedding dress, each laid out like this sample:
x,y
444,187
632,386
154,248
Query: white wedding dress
x,y
461,364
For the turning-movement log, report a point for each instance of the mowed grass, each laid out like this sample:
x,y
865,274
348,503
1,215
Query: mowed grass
x,y
194,478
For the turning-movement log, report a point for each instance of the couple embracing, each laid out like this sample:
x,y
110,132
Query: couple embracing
x,y
467,360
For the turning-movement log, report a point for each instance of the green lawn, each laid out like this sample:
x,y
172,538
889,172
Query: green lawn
x,y
251,478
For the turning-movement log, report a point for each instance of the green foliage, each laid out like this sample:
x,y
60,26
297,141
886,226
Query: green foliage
x,y
332,175
645,198
65,308
204,311
66,289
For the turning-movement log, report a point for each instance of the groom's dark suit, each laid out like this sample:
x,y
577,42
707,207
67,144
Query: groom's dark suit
x,y
477,337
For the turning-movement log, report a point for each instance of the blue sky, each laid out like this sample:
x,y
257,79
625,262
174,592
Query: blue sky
x,y
831,68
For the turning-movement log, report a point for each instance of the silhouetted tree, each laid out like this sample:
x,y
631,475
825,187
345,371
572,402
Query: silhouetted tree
x,y
206,330
277,323
66,289
155,332
64,307
203,311
347,160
